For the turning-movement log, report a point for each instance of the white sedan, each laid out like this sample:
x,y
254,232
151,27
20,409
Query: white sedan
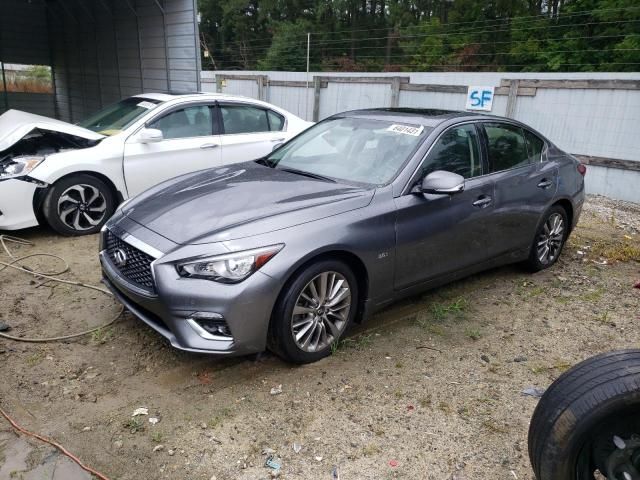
x,y
74,176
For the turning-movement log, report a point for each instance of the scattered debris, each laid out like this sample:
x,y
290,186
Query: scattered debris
x,y
268,451
335,473
140,411
153,420
520,359
276,390
637,285
297,447
410,408
157,448
393,463
4,327
536,392
86,429
171,452
272,463
484,358
118,444
318,458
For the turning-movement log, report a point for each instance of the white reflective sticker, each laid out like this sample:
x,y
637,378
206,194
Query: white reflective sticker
x,y
406,129
147,105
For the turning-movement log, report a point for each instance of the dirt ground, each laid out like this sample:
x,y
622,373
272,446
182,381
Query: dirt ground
x,y
430,388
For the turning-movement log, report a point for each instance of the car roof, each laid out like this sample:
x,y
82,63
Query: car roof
x,y
429,117
165,97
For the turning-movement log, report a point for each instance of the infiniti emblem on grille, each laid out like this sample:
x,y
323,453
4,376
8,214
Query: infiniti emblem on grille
x,y
119,257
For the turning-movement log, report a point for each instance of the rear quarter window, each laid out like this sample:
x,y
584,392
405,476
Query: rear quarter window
x,y
535,146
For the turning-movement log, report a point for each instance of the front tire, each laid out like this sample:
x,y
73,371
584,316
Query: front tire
x,y
588,420
549,239
78,205
313,311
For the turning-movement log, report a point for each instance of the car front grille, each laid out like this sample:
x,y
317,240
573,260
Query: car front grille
x,y
132,263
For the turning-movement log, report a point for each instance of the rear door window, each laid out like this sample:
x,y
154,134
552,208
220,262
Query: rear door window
x,y
506,146
244,119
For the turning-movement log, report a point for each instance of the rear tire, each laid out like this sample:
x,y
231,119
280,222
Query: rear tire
x,y
551,234
314,309
574,427
78,205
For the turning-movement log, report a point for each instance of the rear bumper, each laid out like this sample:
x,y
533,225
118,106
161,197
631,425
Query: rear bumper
x,y
16,204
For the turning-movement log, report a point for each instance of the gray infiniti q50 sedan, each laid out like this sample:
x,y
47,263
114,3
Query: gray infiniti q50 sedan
x,y
363,208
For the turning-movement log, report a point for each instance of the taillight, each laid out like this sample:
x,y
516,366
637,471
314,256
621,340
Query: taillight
x,y
582,169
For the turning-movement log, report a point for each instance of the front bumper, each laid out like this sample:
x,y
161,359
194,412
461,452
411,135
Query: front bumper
x,y
246,307
16,204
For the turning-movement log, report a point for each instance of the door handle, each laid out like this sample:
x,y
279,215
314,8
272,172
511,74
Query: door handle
x,y
483,201
209,145
545,183
278,140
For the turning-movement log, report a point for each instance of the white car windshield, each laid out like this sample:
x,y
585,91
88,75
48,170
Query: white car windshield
x,y
115,118
351,149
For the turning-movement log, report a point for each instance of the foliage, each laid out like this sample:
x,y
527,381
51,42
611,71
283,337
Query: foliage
x,y
426,35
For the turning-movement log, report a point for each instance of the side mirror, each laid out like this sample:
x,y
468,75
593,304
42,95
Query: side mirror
x,y
150,135
442,182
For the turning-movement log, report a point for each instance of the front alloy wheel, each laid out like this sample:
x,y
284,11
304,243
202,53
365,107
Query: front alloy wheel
x,y
321,312
82,207
78,204
313,311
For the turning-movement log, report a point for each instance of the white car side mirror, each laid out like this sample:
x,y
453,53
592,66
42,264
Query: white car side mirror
x,y
150,135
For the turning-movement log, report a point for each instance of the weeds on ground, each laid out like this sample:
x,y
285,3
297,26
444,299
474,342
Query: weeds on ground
x,y
34,359
473,333
134,425
102,335
359,342
156,437
219,417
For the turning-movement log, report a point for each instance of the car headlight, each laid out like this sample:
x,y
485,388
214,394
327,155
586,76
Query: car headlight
x,y
229,267
19,166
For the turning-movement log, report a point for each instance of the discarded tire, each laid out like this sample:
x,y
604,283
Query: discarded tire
x,y
589,420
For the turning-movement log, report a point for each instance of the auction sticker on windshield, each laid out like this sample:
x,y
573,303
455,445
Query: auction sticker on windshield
x,y
406,129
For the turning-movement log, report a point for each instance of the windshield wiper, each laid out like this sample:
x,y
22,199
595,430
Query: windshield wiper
x,y
266,162
307,174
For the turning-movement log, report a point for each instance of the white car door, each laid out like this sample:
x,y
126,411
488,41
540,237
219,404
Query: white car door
x,y
249,131
189,143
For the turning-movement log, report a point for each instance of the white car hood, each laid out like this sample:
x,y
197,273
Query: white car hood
x,y
15,124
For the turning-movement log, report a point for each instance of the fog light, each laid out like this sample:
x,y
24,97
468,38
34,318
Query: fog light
x,y
210,325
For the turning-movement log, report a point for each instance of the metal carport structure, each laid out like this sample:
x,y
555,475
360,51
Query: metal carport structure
x,y
99,51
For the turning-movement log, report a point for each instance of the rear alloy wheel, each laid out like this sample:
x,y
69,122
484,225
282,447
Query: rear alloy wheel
x,y
549,239
314,311
78,205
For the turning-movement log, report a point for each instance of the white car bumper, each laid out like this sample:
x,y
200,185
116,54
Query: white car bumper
x,y
16,204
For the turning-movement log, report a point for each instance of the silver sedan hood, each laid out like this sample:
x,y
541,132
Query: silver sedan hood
x,y
239,201
14,125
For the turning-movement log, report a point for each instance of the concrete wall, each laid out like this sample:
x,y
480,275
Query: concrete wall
x,y
594,115
103,50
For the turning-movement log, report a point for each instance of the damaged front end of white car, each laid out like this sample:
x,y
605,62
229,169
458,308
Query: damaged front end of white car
x,y
26,141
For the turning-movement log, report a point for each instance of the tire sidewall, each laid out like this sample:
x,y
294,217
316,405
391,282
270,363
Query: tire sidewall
x,y
282,341
561,454
533,261
50,204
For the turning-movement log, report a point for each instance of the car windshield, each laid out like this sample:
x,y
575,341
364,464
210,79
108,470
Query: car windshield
x,y
115,118
351,149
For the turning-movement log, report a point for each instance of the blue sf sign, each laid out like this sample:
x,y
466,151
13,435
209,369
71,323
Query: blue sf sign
x,y
480,98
